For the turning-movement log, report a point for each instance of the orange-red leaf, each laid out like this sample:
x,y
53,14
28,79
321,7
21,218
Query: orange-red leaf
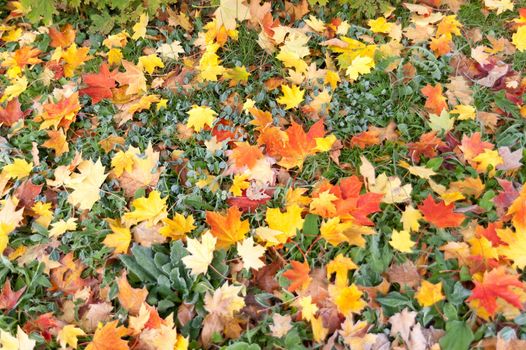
x,y
435,102
130,298
99,84
440,214
298,275
11,113
8,298
497,284
228,229
109,338
62,38
245,154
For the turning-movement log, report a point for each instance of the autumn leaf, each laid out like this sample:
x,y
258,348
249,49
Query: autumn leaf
x,y
201,253
130,298
86,184
151,209
494,284
8,297
12,113
199,116
109,337
435,102
133,78
251,254
401,241
229,228
119,239
440,214
292,96
99,84
298,276
429,294
229,11
68,335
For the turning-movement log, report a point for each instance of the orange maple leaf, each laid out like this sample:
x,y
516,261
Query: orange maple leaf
x,y
366,138
440,214
109,338
426,146
497,284
99,84
300,144
67,277
298,275
518,210
435,102
60,114
245,154
228,229
130,298
62,38
133,77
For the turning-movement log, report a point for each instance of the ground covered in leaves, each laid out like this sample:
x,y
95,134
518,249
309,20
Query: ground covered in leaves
x,y
256,175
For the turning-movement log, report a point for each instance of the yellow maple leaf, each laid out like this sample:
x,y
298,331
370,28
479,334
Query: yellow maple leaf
x,y
120,238
18,85
86,184
139,28
410,218
519,38
292,96
515,248
62,226
201,253
237,75
178,226
123,161
19,169
199,116
74,58
151,209
308,308
348,299
379,25
227,228
401,241
319,332
335,232
150,62
239,184
359,66
488,158
115,56
429,294
287,223
340,265
68,335
5,230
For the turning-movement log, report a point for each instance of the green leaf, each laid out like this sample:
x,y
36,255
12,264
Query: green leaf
x,y
40,10
243,346
458,336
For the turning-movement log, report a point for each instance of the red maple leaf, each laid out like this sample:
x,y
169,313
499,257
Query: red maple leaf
x,y
298,275
496,284
11,113
99,84
8,298
426,146
440,214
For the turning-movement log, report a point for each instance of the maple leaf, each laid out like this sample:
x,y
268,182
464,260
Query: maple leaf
x,y
292,96
518,211
402,322
359,66
229,11
86,184
401,241
11,113
68,335
74,58
133,77
298,276
251,254
440,214
20,342
150,62
435,102
410,218
308,308
178,226
63,38
281,325
228,229
170,51
429,294
99,84
348,299
519,38
286,223
130,298
151,209
199,116
9,298
109,337
497,283
299,144
245,154
19,169
119,239
67,277
57,141
139,28
427,145
201,253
